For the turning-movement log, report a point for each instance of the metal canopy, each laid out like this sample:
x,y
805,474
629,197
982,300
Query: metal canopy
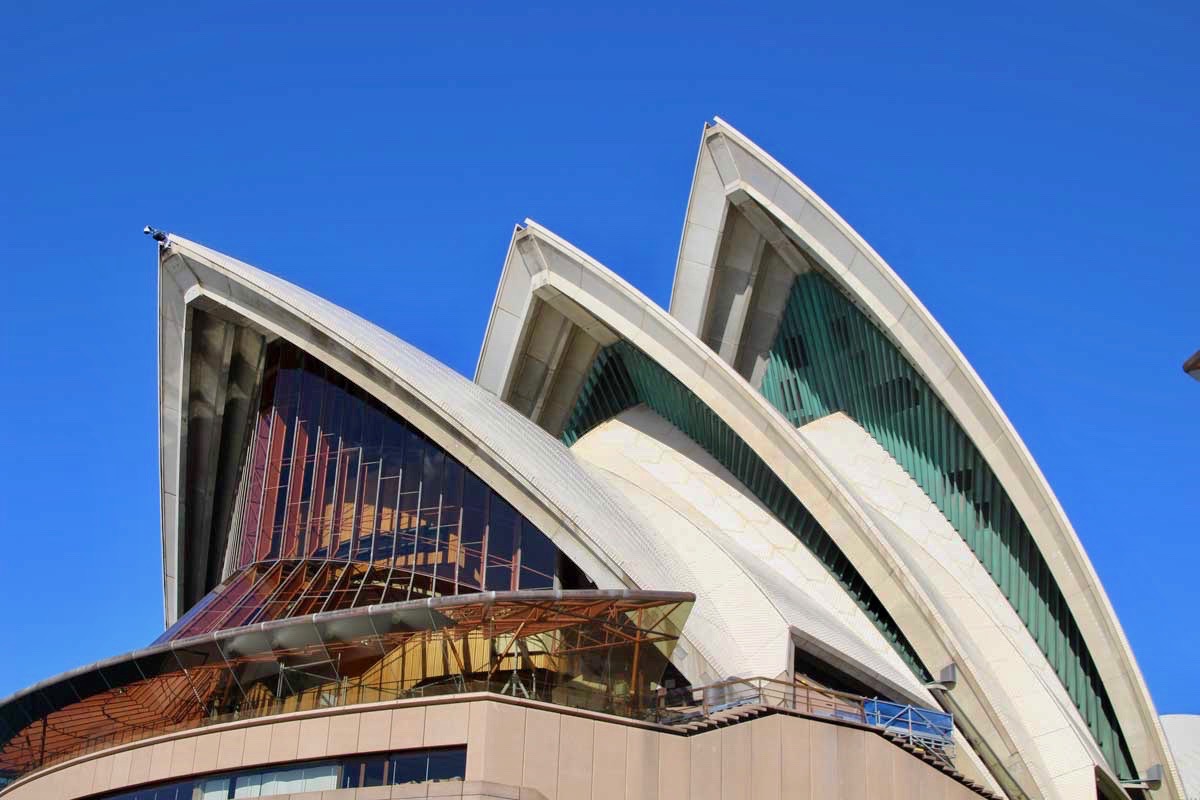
x,y
607,642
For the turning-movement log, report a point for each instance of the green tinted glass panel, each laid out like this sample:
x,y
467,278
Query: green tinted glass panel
x,y
828,356
622,377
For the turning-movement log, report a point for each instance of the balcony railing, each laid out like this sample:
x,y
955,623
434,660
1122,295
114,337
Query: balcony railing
x,y
692,707
925,729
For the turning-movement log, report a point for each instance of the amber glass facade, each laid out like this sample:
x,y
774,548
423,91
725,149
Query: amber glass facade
x,y
333,476
584,649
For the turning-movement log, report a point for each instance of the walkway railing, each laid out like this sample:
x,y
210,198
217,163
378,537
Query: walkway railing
x,y
926,729
914,721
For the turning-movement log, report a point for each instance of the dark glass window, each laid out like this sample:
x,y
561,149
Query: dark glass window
x,y
795,352
839,330
410,766
537,558
899,394
501,545
474,524
375,771
962,479
351,775
333,475
447,764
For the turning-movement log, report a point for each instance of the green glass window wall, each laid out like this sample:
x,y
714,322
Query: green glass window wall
x,y
828,356
333,475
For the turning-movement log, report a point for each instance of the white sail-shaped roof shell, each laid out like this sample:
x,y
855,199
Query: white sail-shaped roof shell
x,y
733,172
590,521
529,352
555,308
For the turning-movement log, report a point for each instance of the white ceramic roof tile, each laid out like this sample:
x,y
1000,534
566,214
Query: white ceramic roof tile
x,y
1183,736
749,573
1002,653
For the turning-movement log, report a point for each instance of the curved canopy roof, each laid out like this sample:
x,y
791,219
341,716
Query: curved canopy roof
x,y
186,683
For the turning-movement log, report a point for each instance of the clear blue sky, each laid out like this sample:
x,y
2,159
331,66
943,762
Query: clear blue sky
x,y
1032,172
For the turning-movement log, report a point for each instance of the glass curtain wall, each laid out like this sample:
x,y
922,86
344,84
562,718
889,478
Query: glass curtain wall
x,y
605,651
829,356
333,477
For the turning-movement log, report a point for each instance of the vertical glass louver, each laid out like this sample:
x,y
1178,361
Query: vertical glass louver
x,y
334,475
342,503
827,357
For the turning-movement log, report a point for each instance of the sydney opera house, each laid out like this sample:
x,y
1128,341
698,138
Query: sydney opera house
x,y
775,541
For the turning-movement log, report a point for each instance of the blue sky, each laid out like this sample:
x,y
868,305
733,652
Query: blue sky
x,y
1030,171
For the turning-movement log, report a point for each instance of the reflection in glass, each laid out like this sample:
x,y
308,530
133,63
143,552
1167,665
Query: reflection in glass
x,y
346,504
598,650
410,766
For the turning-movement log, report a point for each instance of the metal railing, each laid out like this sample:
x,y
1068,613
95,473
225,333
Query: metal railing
x,y
706,701
352,692
914,720
927,729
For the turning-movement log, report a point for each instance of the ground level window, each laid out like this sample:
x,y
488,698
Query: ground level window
x,y
447,764
379,769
